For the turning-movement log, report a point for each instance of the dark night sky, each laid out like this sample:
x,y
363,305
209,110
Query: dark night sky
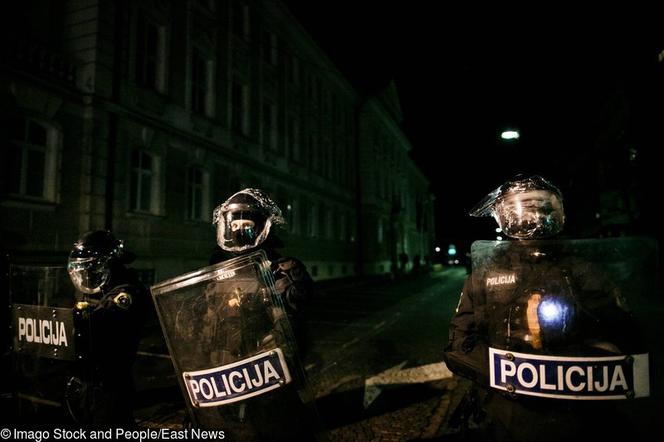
x,y
463,76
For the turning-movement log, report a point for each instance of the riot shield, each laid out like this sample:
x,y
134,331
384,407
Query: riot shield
x,y
47,332
570,319
234,352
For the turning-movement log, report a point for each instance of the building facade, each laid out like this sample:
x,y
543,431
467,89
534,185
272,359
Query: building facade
x,y
141,117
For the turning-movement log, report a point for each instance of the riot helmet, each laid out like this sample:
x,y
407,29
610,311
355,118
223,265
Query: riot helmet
x,y
244,220
528,208
90,258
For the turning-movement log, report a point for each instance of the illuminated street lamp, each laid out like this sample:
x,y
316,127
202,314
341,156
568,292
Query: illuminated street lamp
x,y
510,135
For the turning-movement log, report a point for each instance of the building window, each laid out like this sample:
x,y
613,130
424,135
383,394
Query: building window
x,y
350,166
207,4
314,160
146,276
291,215
150,54
294,70
287,204
316,90
323,222
197,194
327,165
241,20
312,221
30,159
240,108
326,102
270,49
145,172
330,224
202,89
343,226
352,229
310,86
339,158
335,112
270,125
380,231
293,138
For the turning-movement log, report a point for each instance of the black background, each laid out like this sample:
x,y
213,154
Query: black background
x,y
559,75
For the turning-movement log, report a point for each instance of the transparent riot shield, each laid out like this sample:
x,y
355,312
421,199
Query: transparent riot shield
x,y
47,335
234,352
572,319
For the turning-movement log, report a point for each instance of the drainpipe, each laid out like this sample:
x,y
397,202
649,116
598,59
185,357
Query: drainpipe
x,y
112,139
359,209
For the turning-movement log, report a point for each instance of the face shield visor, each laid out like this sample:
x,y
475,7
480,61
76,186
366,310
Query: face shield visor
x,y
88,274
241,229
245,219
525,209
530,214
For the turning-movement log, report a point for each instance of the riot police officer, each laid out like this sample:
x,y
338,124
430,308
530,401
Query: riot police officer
x,y
531,298
115,304
245,223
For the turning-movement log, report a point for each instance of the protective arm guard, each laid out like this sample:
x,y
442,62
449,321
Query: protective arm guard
x,y
293,283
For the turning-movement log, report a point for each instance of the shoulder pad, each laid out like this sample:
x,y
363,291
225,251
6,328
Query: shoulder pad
x,y
285,264
293,267
289,264
123,300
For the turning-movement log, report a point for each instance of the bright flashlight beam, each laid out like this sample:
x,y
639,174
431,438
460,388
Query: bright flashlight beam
x,y
550,311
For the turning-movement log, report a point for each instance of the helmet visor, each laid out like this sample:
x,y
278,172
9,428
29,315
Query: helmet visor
x,y
88,274
530,214
241,230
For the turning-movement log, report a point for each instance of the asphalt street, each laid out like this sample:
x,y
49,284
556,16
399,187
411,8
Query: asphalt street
x,y
376,359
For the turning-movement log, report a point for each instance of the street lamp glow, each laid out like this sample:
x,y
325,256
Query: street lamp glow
x,y
437,249
510,135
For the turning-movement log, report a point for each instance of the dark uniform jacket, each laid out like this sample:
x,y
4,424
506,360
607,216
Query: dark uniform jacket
x,y
281,415
116,323
486,306
292,282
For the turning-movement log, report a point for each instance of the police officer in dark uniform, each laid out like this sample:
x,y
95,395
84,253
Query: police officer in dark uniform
x,y
245,224
115,304
509,307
